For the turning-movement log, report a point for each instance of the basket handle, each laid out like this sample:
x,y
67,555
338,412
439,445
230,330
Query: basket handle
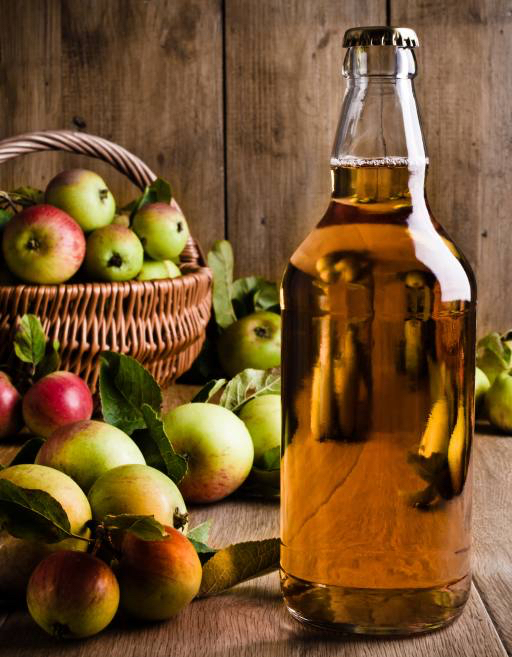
x,y
84,144
102,149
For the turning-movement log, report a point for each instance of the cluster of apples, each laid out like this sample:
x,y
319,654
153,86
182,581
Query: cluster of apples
x,y
77,225
95,471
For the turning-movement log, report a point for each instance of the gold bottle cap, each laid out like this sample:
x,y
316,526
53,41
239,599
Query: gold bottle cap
x,y
381,35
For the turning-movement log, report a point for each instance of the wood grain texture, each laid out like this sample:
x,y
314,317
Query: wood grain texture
x,y
492,530
251,620
284,90
147,75
464,87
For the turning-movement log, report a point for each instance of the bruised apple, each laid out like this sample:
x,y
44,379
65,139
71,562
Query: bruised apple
x,y
72,595
158,578
139,490
217,446
55,400
86,450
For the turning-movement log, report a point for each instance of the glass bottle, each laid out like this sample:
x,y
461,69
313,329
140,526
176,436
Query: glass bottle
x,y
378,370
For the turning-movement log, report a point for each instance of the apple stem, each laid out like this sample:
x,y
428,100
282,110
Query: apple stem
x,y
179,226
103,195
33,244
261,332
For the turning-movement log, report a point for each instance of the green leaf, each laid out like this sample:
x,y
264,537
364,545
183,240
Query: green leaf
x,y
125,386
493,343
145,527
28,451
247,385
32,514
220,261
51,360
27,196
199,539
261,483
157,448
158,192
239,563
209,390
267,297
271,459
243,293
5,217
30,340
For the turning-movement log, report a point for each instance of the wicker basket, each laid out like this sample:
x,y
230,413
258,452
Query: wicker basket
x,y
160,323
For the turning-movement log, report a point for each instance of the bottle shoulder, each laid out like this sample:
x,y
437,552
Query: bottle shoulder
x,y
384,247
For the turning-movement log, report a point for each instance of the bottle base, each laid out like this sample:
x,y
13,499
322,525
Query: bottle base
x,y
384,612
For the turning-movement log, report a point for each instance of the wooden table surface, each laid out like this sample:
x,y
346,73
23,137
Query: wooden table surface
x,y
251,620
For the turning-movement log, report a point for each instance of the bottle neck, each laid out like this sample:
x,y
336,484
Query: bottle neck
x,y
379,122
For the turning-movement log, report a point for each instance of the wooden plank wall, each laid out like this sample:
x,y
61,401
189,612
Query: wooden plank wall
x,y
236,102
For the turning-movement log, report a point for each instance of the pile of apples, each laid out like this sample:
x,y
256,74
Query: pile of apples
x,y
95,470
77,226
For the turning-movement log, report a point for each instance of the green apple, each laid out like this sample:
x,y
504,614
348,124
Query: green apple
x,y
253,341
217,446
83,195
158,578
262,417
136,489
122,220
482,385
498,402
86,450
64,490
114,253
162,229
153,270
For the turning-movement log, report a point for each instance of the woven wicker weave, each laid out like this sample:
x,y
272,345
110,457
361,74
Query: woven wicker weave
x,y
160,323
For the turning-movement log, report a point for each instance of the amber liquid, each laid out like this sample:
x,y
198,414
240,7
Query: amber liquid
x,y
378,379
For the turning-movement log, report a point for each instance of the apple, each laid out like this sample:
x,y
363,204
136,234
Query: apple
x,y
84,195
10,408
64,490
43,245
262,417
55,400
72,595
498,402
218,448
114,253
122,220
153,270
139,490
162,229
158,578
253,341
482,385
86,450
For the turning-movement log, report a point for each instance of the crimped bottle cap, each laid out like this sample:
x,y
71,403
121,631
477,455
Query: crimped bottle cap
x,y
380,35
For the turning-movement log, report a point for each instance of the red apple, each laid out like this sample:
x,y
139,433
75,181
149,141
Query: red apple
x,y
86,450
56,400
72,595
10,408
162,229
43,245
158,578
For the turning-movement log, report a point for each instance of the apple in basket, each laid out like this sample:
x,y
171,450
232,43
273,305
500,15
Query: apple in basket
x,y
43,245
114,253
84,196
153,270
162,229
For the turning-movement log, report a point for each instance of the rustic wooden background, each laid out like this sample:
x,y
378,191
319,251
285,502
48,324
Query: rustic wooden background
x,y
236,102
